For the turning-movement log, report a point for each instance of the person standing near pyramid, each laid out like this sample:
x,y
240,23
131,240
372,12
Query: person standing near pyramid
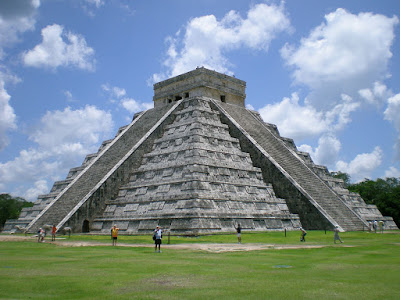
x,y
303,234
239,234
53,233
157,241
336,236
114,234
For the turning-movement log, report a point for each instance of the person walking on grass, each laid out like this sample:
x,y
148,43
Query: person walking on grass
x,y
336,236
114,234
303,234
40,235
157,239
239,234
370,226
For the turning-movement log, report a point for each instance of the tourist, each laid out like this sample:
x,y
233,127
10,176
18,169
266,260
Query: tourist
x,y
114,234
157,239
375,225
303,234
381,226
239,237
53,233
41,235
336,236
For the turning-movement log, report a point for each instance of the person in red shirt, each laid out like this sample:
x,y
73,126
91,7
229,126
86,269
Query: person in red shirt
x,y
53,233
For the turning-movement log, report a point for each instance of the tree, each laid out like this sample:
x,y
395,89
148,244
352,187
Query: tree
x,y
344,176
11,207
384,193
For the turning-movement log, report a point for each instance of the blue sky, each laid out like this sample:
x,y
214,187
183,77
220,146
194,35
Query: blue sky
x,y
73,72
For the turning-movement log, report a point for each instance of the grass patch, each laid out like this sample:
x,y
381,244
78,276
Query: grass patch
x,y
369,269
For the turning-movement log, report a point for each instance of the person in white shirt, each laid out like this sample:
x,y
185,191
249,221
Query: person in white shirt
x,y
158,237
336,236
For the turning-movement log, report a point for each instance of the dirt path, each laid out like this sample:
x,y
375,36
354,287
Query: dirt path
x,y
211,247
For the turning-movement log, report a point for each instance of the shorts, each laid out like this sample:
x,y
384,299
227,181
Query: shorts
x,y
238,235
114,237
158,241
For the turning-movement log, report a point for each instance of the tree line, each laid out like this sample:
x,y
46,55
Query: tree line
x,y
10,207
384,193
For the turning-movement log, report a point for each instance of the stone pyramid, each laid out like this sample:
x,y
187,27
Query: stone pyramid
x,y
199,162
196,179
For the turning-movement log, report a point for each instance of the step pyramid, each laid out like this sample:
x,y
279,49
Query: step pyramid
x,y
196,179
199,162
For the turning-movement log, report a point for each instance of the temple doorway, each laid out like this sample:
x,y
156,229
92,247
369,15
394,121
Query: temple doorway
x,y
85,226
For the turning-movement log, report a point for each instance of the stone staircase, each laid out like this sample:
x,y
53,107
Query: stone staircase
x,y
330,205
28,214
91,178
196,179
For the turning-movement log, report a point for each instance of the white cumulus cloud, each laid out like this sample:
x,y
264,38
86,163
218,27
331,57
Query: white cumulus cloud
x,y
339,116
299,121
344,54
40,187
62,140
113,91
205,40
326,152
375,95
7,115
133,106
392,172
16,17
116,94
392,114
293,119
85,125
362,165
59,48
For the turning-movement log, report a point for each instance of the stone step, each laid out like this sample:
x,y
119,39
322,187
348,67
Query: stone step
x,y
90,177
295,167
210,186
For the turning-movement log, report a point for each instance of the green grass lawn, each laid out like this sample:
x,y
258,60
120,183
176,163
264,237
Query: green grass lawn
x,y
369,269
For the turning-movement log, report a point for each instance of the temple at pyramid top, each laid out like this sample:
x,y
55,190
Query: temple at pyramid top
x,y
200,82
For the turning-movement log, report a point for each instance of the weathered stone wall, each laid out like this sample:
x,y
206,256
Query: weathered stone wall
x,y
97,172
296,201
197,83
95,205
196,180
